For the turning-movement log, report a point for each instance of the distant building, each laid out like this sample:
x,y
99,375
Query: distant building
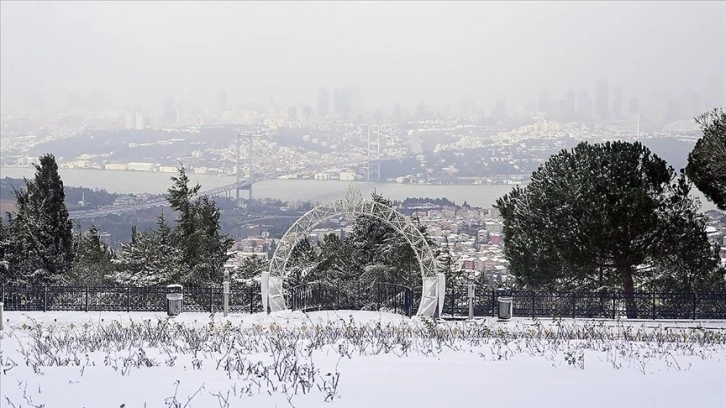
x,y
140,166
115,166
292,113
602,99
617,102
584,106
323,102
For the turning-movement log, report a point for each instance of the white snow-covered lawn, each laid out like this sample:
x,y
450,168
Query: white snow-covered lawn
x,y
356,359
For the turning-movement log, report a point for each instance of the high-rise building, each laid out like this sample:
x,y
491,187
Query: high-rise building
x,y
169,110
467,107
500,109
323,102
602,99
617,101
221,102
545,103
306,113
343,102
292,113
584,106
570,105
634,106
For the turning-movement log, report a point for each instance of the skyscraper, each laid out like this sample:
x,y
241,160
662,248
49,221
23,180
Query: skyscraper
x,y
584,106
292,113
343,102
221,102
500,110
617,101
323,102
570,105
602,99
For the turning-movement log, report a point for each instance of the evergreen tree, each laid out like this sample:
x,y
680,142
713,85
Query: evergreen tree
x,y
251,269
197,234
707,161
93,259
41,231
150,259
590,217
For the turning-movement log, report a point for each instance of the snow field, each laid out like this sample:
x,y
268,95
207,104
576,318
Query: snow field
x,y
355,359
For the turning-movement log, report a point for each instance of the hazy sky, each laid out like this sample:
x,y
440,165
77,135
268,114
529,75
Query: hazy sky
x,y
137,53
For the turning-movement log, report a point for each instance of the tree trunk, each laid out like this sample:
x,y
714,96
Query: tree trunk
x,y
631,309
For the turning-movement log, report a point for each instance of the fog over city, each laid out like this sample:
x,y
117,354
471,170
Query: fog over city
x,y
138,53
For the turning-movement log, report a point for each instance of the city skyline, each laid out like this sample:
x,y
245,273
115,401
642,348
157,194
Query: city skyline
x,y
139,54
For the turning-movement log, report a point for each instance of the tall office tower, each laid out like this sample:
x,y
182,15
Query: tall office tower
x,y
634,106
221,102
584,106
500,109
306,113
617,102
602,99
343,102
292,113
716,93
182,111
169,110
467,107
357,103
323,102
396,112
545,103
570,105
139,120
129,119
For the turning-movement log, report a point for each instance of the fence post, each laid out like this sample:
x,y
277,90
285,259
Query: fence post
x,y
574,300
694,305
45,298
613,295
252,301
453,300
494,302
211,299
128,299
653,312
534,297
86,298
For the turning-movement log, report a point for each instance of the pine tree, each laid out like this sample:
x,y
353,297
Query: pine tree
x,y
197,234
591,216
150,259
707,161
41,231
93,259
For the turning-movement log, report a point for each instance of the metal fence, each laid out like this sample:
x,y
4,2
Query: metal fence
x,y
243,298
377,296
610,305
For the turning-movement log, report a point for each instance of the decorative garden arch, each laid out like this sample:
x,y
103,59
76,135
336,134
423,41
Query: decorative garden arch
x,y
353,203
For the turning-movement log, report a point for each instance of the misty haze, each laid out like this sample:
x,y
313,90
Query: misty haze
x,y
305,204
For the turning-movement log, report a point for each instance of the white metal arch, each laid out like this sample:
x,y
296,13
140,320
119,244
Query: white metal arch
x,y
353,203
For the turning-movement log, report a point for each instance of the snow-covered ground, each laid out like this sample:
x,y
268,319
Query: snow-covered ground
x,y
356,359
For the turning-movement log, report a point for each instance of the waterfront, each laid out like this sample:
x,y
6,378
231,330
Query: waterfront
x,y
136,182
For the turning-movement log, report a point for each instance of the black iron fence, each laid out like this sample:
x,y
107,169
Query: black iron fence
x,y
243,298
379,296
612,305
246,298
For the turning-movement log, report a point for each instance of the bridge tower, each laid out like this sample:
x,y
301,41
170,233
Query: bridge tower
x,y
373,163
250,170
